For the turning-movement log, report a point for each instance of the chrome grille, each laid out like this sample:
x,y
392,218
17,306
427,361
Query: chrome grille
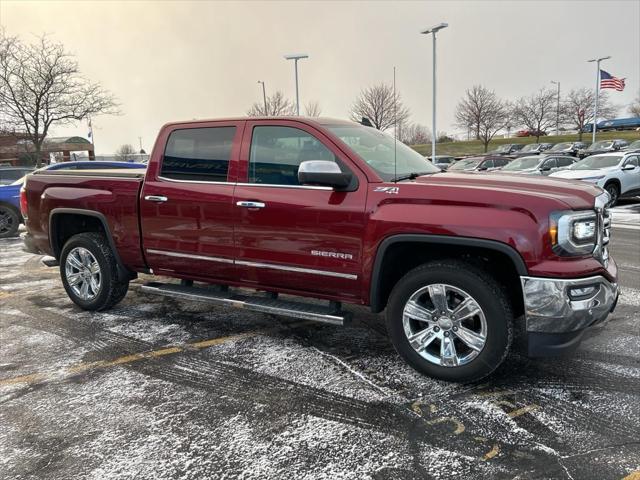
x,y
601,252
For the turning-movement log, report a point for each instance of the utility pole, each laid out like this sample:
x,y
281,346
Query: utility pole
x,y
264,98
434,134
557,109
295,57
595,108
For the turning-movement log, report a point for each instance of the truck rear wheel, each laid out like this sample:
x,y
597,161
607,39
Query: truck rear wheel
x,y
450,320
89,272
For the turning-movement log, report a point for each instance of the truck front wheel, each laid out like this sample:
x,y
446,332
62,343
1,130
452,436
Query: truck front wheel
x,y
89,272
450,320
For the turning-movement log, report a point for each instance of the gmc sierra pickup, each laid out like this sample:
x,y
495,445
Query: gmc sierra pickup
x,y
339,212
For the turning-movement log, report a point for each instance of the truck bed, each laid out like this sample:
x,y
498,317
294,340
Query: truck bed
x,y
110,196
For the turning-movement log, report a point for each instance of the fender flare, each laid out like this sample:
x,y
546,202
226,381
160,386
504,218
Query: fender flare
x,y
374,293
123,272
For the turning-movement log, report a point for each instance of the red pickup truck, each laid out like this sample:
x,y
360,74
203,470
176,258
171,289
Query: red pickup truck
x,y
339,212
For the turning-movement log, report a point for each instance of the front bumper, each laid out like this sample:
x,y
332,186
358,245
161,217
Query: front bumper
x,y
556,317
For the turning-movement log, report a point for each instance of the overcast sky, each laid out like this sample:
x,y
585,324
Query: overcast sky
x,y
169,61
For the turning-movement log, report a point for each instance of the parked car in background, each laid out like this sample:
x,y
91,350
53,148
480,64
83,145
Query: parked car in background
x,y
532,149
568,148
507,149
618,173
603,146
8,175
530,133
633,147
479,164
442,161
10,218
538,164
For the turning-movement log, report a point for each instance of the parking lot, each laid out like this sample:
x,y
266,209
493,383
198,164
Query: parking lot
x,y
160,388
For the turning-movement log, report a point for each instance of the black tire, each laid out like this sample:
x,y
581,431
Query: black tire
x,y
614,192
9,222
112,290
488,294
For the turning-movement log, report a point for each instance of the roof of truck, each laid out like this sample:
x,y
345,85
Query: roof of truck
x,y
312,120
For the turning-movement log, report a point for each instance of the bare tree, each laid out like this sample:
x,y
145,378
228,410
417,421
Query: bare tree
x,y
313,109
470,111
414,134
577,108
277,106
634,108
481,111
378,104
537,112
41,86
125,153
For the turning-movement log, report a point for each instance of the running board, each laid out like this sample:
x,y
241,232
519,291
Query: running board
x,y
320,313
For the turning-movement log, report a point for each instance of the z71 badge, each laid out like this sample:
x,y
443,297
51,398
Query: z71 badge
x,y
389,190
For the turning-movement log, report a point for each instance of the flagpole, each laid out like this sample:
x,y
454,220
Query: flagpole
x,y
595,107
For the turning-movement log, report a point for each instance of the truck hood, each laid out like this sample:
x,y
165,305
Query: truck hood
x,y
516,188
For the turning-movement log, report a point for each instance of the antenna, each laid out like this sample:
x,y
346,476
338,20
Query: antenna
x,y
395,128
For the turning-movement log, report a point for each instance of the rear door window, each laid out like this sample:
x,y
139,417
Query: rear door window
x,y
200,154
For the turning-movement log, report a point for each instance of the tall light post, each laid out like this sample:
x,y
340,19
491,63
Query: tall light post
x,y
595,108
434,134
557,108
264,97
295,57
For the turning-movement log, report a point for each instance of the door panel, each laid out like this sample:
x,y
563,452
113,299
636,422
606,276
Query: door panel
x,y
304,238
187,203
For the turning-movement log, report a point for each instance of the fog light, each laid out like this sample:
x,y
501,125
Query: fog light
x,y
578,293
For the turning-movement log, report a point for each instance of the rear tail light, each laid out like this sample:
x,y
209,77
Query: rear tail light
x,y
23,200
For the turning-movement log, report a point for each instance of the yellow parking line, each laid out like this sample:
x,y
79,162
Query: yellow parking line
x,y
491,453
523,410
125,359
633,476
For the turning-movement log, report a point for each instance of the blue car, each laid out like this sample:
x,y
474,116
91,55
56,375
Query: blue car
x,y
10,217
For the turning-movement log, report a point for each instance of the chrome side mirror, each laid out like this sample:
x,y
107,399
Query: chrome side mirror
x,y
323,172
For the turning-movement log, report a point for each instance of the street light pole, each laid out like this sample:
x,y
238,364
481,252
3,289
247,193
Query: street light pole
x,y
264,97
434,133
295,57
595,108
557,109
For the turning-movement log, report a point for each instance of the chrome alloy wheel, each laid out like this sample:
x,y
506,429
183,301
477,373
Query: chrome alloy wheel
x,y
82,272
445,325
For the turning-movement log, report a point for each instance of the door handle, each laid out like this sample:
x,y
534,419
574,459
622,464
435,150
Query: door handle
x,y
156,198
250,204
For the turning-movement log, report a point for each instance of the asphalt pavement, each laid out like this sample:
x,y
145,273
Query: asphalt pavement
x,y
167,389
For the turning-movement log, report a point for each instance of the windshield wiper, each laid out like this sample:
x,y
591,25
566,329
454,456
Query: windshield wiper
x,y
410,176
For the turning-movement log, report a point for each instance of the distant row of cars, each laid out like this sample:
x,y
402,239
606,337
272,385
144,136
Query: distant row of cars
x,y
614,165
12,178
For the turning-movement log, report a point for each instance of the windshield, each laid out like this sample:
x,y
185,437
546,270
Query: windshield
x,y
600,145
465,164
523,163
597,161
530,148
560,146
377,149
503,148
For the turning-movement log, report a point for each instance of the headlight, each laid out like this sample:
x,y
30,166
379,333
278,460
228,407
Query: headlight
x,y
573,233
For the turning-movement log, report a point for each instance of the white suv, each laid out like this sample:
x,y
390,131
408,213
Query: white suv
x,y
617,172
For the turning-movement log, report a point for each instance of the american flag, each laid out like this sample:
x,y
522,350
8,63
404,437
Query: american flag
x,y
609,81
